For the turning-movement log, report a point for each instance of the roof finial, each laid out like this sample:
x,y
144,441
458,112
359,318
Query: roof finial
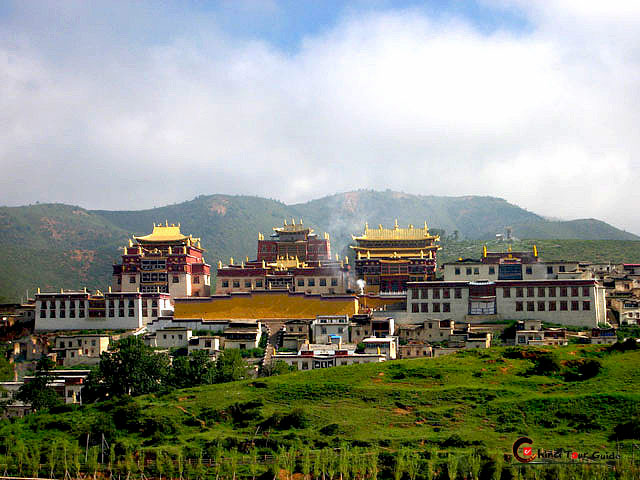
x,y
396,225
166,222
285,222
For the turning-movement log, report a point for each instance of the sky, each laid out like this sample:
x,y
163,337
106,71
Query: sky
x,y
130,105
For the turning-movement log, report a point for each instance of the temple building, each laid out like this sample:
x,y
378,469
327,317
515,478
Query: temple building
x,y
510,286
388,258
165,261
512,265
83,310
294,259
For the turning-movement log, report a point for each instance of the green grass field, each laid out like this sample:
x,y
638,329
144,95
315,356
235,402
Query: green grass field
x,y
477,400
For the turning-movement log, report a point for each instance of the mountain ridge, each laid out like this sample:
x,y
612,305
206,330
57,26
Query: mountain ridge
x,y
59,245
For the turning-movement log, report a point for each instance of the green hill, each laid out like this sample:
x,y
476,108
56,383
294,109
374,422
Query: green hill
x,y
479,400
53,246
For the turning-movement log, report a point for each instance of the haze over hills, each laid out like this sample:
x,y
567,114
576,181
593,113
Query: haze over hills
x,y
60,246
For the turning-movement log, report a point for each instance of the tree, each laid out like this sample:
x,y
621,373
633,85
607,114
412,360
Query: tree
x,y
196,369
278,367
37,392
132,368
230,366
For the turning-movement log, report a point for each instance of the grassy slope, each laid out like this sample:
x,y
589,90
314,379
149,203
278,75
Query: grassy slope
x,y
478,395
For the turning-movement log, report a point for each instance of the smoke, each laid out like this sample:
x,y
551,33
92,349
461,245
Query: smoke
x,y
361,283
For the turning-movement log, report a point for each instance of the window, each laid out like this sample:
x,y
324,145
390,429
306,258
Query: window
x,y
476,271
445,293
121,312
340,330
446,307
492,270
530,292
518,306
457,271
549,270
574,305
415,308
506,292
574,291
258,283
164,336
301,282
324,330
519,292
93,343
436,308
541,291
563,306
119,280
424,307
530,306
225,283
528,270
43,313
247,284
179,337
236,284
552,306
552,291
154,312
132,279
468,270
586,305
457,293
561,268
176,279
196,279
130,303
585,291
436,293
424,293
541,306
323,282
334,283
311,282
563,291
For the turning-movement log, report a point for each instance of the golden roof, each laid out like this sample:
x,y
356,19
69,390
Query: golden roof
x,y
292,227
396,233
165,233
263,305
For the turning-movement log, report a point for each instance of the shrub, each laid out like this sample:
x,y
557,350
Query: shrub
x,y
582,369
627,430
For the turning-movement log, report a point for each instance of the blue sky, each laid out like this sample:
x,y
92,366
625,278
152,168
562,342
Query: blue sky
x,y
126,105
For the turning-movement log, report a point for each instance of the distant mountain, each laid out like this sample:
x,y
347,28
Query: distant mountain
x,y
55,245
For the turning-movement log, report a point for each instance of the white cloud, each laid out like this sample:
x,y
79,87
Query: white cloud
x,y
545,117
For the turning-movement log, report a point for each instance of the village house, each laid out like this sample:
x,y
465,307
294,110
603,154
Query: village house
x,y
169,338
73,350
430,330
243,335
414,349
325,325
531,332
387,346
603,336
209,343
